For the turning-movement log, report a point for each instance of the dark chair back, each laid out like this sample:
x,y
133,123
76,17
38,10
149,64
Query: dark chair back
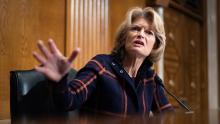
x,y
31,93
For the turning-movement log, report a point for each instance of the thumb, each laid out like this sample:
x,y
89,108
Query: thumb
x,y
73,55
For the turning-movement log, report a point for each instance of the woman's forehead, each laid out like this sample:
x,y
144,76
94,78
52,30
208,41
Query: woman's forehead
x,y
142,22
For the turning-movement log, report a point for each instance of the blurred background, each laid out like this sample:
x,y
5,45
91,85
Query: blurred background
x,y
189,67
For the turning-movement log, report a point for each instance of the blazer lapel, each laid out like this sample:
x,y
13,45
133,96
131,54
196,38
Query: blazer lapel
x,y
123,74
128,82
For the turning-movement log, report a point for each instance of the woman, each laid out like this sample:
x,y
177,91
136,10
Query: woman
x,y
120,83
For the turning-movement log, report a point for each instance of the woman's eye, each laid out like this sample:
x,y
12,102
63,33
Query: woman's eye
x,y
149,32
135,28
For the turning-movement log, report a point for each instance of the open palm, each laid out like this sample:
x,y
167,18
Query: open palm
x,y
53,65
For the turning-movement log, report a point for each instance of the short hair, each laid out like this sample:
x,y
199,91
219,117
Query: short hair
x,y
156,21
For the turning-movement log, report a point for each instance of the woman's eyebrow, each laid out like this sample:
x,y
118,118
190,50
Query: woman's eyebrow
x,y
133,25
149,28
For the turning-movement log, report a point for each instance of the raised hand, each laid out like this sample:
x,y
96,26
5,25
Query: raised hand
x,y
53,65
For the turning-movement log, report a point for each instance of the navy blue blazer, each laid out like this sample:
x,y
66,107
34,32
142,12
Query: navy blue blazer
x,y
104,86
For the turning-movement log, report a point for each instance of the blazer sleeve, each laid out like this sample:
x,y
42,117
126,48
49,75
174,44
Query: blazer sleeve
x,y
71,94
160,102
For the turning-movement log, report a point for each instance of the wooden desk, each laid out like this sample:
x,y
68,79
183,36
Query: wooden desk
x,y
178,117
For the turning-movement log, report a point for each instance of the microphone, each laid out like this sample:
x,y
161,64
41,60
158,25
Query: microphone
x,y
189,111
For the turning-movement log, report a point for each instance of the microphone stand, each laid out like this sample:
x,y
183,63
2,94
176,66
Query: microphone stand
x,y
189,111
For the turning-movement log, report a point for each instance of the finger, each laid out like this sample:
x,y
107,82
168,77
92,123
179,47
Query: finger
x,y
40,69
73,55
39,58
53,47
43,49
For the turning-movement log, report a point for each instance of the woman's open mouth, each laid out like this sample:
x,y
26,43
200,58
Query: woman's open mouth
x,y
139,42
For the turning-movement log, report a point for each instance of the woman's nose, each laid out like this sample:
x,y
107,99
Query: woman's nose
x,y
141,33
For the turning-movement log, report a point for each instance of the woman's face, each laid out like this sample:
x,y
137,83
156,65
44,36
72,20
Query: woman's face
x,y
140,38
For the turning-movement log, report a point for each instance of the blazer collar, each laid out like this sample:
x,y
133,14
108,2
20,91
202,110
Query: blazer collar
x,y
143,72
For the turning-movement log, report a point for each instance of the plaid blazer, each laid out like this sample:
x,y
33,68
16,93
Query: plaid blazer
x,y
104,86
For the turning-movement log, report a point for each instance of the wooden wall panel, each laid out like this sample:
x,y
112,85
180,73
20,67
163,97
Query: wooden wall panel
x,y
87,28
22,23
185,59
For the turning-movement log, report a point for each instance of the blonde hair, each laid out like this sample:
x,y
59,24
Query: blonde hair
x,y
151,15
